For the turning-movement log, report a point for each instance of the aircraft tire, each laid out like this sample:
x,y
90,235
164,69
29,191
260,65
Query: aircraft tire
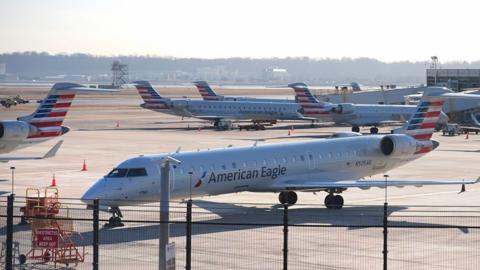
x,y
287,197
355,129
337,202
374,130
329,201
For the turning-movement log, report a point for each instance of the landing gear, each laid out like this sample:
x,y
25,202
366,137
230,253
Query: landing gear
x,y
287,197
374,130
222,124
116,219
356,129
334,201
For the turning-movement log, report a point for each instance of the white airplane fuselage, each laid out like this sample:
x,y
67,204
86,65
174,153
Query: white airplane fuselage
x,y
232,110
260,168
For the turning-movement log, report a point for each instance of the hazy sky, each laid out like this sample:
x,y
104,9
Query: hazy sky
x,y
386,30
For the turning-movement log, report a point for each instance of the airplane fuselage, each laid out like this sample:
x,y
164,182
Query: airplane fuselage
x,y
260,168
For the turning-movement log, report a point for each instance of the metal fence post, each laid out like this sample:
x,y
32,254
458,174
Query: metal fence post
x,y
95,234
285,237
188,248
9,251
385,235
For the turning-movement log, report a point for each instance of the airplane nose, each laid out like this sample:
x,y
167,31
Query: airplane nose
x,y
92,193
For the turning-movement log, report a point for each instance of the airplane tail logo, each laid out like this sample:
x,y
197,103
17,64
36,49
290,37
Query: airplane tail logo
x,y
199,180
422,123
49,116
150,96
206,91
311,106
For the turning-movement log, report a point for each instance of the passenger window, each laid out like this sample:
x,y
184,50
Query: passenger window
x,y
302,158
137,172
310,156
234,165
224,167
117,173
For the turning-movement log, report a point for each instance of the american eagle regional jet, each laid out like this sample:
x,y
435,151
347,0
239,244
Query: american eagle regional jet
x,y
221,112
355,115
331,165
42,125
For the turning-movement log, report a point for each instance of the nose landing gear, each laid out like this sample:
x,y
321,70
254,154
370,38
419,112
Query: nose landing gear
x,y
116,219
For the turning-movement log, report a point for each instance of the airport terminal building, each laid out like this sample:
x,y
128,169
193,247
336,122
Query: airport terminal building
x,y
455,79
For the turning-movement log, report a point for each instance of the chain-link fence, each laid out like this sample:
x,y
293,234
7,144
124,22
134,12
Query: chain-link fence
x,y
48,235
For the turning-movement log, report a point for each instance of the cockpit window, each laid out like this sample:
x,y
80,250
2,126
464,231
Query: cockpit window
x,y
117,173
137,172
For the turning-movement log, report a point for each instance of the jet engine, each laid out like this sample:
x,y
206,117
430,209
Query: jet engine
x,y
16,130
343,108
398,145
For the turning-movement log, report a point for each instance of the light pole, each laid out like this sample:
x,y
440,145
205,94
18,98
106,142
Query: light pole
x,y
13,178
164,209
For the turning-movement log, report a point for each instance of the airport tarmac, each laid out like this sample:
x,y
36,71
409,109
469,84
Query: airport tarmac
x,y
95,138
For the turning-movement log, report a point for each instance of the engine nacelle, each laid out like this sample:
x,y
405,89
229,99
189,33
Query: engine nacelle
x,y
397,145
343,108
16,130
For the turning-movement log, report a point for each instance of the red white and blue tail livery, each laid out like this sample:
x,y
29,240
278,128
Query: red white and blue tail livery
x,y
45,123
150,96
206,91
311,106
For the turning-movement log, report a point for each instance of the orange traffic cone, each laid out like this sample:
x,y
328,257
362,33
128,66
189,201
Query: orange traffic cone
x,y
84,167
466,137
54,181
289,132
118,123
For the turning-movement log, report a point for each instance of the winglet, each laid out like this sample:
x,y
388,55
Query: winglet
x,y
52,152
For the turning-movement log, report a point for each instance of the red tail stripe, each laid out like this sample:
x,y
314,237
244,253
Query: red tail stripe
x,y
61,105
428,125
317,112
436,103
45,134
310,105
47,124
55,114
66,96
432,114
422,136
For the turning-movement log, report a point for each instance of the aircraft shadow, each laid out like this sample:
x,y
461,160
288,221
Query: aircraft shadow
x,y
231,218
454,150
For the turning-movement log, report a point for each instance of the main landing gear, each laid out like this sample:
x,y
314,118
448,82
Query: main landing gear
x,y
116,219
373,130
288,197
332,201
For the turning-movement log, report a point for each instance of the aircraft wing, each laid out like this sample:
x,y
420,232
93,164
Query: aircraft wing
x,y
322,185
51,153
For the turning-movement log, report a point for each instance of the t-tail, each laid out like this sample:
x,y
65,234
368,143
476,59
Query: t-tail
x,y
206,91
48,117
152,100
311,106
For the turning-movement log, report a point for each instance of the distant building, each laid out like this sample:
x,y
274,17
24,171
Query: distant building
x,y
275,74
3,69
455,79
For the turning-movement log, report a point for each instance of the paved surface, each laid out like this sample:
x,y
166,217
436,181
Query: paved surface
x,y
95,138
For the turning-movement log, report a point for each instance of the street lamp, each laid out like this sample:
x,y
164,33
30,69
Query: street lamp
x,y
13,177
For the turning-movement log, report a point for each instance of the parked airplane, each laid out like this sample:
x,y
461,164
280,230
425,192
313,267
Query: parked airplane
x,y
208,93
42,125
355,115
330,165
222,112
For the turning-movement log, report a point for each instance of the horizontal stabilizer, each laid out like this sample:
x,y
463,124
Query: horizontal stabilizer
x,y
51,153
